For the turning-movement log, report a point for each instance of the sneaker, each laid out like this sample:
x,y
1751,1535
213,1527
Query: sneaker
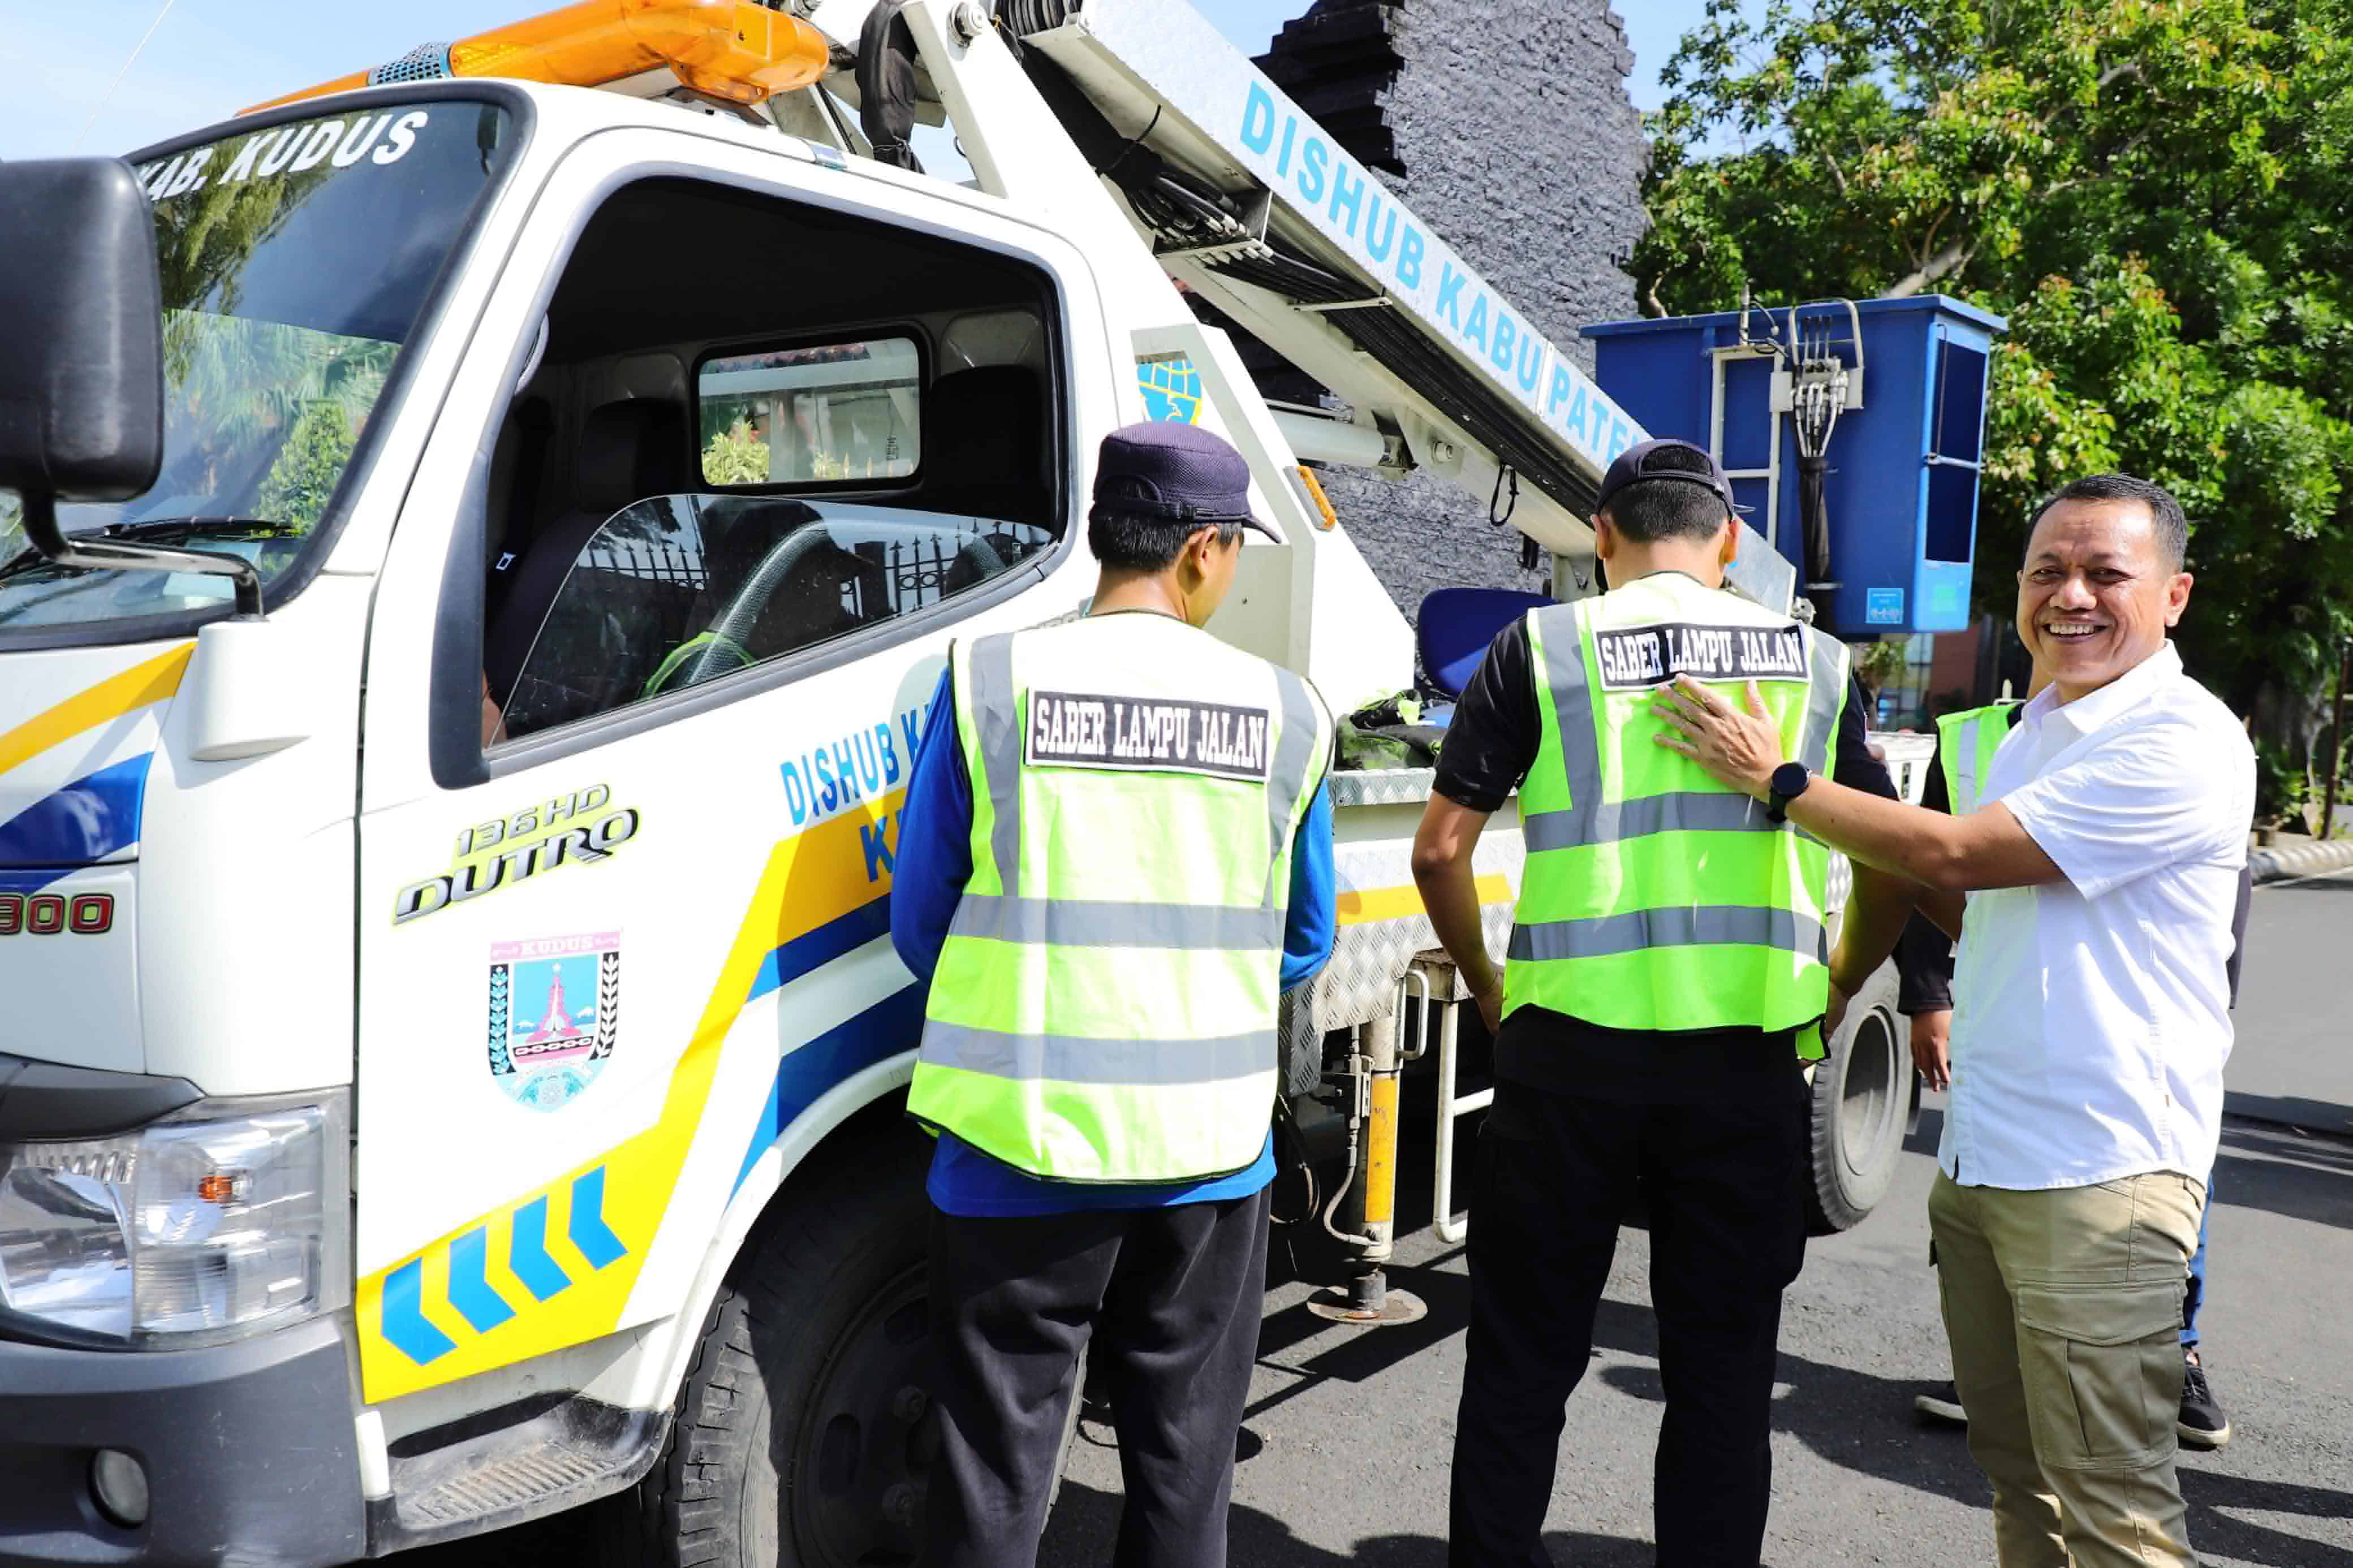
x,y
2203,1424
1943,1404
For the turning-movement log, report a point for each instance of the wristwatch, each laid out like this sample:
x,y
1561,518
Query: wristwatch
x,y
1789,781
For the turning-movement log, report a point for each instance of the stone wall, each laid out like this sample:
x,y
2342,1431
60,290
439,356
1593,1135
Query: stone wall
x,y
1506,126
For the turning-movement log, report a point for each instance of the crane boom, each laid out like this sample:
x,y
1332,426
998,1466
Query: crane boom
x,y
1308,248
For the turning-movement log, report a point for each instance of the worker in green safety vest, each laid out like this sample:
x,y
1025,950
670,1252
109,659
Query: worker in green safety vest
x,y
1115,854
1965,743
1667,970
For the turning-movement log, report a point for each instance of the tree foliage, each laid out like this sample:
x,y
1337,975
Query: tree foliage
x,y
302,480
2153,192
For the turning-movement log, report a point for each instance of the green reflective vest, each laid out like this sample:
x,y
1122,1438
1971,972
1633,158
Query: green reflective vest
x,y
1654,898
1965,743
1105,1006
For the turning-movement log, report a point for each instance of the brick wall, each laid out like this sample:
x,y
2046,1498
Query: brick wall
x,y
1506,126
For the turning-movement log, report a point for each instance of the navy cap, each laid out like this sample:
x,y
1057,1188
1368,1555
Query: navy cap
x,y
1666,459
1181,473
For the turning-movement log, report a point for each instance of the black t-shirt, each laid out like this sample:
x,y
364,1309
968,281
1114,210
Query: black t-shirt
x,y
1491,744
1923,953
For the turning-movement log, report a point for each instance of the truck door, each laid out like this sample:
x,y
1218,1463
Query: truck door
x,y
734,454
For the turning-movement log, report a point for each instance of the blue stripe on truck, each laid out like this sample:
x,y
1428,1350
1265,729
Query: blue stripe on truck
x,y
80,823
882,1031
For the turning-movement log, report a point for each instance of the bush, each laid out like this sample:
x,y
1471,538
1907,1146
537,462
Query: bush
x,y
737,456
2281,787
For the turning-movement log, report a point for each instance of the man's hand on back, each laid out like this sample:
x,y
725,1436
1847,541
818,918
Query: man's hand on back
x,y
1738,750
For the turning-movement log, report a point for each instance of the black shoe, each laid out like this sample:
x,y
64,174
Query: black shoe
x,y
1943,1404
2203,1424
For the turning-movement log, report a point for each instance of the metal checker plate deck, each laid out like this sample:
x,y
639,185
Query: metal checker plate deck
x,y
1381,786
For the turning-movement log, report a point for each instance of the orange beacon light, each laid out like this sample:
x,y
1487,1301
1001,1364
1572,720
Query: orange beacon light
x,y
728,48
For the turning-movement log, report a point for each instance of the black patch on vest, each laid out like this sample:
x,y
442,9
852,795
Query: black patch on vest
x,y
1649,655
1078,730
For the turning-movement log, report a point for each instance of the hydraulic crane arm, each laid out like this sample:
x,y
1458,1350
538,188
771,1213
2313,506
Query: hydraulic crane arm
x,y
1259,209
1248,201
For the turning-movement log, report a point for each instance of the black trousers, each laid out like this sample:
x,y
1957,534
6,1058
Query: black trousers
x,y
1171,1300
1555,1172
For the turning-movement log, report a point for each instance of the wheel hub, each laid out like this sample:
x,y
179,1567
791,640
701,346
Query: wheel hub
x,y
861,1451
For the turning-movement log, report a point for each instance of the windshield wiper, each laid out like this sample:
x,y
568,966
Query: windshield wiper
x,y
96,550
151,527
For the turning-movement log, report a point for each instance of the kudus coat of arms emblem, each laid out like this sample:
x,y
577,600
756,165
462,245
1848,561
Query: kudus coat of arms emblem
x,y
555,1015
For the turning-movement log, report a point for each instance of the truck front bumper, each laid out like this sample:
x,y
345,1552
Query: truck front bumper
x,y
247,1450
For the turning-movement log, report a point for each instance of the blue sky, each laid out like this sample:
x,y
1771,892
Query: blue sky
x,y
210,58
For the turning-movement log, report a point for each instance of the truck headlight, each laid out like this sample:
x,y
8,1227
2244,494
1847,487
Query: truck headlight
x,y
228,1218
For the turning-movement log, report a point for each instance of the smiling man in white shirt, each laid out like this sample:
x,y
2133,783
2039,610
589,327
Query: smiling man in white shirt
x,y
2091,1022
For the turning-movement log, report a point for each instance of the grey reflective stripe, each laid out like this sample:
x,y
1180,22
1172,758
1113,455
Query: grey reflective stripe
x,y
1599,936
1101,924
1821,702
1965,798
1294,761
1073,1058
1683,811
1572,706
997,712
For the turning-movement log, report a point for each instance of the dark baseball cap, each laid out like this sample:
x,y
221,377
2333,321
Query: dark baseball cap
x,y
1180,473
1666,459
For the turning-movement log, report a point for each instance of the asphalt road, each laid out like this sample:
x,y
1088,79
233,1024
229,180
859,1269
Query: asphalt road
x,y
1346,1439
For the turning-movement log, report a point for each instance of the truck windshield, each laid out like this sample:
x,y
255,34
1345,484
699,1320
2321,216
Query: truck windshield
x,y
296,261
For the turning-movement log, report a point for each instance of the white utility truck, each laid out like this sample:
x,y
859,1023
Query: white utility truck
x,y
451,748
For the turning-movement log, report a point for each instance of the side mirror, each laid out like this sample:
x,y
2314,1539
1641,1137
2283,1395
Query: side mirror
x,y
81,350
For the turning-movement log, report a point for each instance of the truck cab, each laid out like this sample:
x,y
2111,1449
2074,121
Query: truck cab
x,y
427,985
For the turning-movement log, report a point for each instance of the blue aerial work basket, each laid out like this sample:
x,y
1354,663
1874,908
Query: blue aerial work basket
x,y
1887,395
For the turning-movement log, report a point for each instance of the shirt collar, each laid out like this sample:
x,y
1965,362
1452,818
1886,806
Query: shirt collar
x,y
2098,710
1670,581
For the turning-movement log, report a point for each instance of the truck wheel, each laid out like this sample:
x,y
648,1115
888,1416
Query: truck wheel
x,y
802,1438
1862,1098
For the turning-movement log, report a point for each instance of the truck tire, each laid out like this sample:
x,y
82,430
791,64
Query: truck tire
x,y
1861,1105
803,1435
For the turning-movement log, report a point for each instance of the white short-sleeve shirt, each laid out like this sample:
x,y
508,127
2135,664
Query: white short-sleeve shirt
x,y
2090,1016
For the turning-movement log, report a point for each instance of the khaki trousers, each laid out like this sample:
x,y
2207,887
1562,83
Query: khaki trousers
x,y
2063,1308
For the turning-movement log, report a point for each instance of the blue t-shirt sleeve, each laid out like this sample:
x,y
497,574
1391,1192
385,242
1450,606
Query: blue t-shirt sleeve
x,y
1314,920
934,856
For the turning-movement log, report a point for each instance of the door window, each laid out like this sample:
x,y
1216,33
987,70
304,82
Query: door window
x,y
676,589
695,481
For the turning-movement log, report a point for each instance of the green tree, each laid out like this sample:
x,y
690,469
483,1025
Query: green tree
x,y
302,480
2152,190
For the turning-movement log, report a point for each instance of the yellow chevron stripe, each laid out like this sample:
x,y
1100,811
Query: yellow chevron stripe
x,y
817,875
152,680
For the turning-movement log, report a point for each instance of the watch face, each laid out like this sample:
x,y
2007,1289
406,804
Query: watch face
x,y
1789,780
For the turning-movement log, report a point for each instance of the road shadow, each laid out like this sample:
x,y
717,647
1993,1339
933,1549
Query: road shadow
x,y
1360,1355
2285,1172
1865,1423
1086,1524
1927,1133
1852,1419
2216,1532
2292,1110
2326,885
